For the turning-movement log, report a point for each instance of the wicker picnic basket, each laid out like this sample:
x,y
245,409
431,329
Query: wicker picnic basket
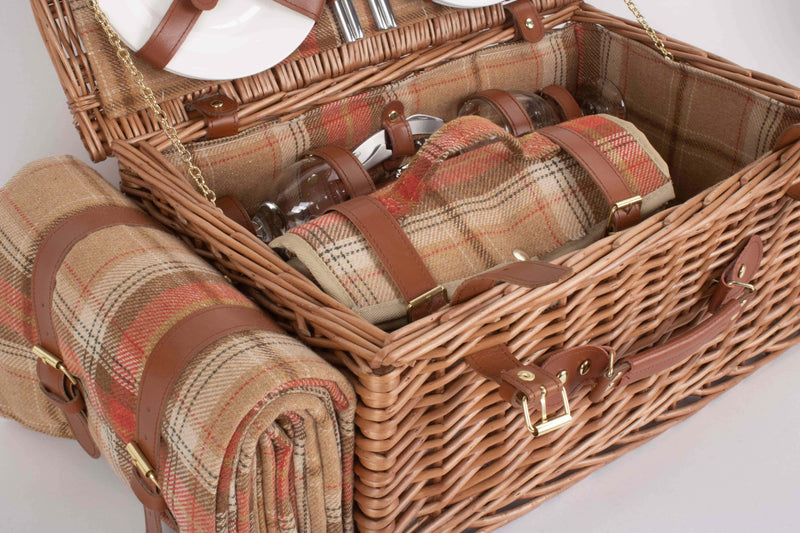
x,y
438,447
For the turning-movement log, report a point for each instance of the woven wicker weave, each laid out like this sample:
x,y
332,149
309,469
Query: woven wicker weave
x,y
438,449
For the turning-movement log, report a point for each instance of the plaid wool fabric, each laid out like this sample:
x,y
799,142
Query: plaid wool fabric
x,y
259,429
466,210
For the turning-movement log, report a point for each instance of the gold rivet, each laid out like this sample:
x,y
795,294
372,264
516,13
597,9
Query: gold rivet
x,y
530,24
519,255
393,115
216,104
562,376
584,368
526,375
742,270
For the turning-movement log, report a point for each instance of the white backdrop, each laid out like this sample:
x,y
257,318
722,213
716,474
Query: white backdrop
x,y
733,467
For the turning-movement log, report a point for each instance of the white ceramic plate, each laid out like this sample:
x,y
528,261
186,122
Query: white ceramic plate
x,y
467,4
235,39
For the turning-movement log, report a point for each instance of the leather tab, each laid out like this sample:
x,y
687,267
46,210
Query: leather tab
x,y
564,100
602,171
357,181
504,102
398,131
220,112
310,8
742,269
396,253
529,274
234,210
528,22
205,5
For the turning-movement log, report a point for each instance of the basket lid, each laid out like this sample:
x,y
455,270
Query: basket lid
x,y
107,106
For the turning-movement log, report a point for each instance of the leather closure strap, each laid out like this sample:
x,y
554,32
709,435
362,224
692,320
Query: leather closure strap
x,y
504,102
220,112
398,131
357,181
788,137
163,367
603,172
399,257
528,22
529,274
564,100
234,210
59,385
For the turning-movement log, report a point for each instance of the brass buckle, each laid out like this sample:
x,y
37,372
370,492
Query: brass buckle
x,y
545,426
624,205
142,464
422,298
53,361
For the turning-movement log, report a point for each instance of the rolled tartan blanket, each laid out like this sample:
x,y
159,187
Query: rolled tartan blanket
x,y
256,433
474,198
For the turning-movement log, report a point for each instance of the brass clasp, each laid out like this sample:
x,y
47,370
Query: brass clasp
x,y
53,361
142,464
624,205
422,298
545,426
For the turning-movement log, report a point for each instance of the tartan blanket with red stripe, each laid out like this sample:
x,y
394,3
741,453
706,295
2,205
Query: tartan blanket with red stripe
x,y
258,429
467,203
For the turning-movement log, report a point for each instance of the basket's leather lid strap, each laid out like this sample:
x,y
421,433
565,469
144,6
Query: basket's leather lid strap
x,y
181,17
602,171
163,367
52,252
592,364
356,179
563,99
394,250
504,102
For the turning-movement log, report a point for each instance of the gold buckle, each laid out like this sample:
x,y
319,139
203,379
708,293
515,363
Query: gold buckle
x,y
142,464
53,361
422,298
546,426
624,205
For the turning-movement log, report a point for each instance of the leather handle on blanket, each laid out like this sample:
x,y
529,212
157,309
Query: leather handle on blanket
x,y
548,386
56,381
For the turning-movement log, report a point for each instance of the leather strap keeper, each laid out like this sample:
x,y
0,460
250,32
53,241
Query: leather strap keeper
x,y
527,21
398,131
220,112
564,100
504,102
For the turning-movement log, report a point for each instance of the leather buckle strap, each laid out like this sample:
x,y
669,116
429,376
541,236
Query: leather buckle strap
x,y
625,204
396,253
58,384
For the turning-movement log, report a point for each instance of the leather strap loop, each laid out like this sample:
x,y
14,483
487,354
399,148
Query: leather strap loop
x,y
234,210
788,137
161,371
398,130
504,102
52,251
564,100
396,253
528,23
220,112
357,181
602,171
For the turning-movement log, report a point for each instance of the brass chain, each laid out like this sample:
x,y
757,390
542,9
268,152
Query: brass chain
x,y
650,31
138,78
